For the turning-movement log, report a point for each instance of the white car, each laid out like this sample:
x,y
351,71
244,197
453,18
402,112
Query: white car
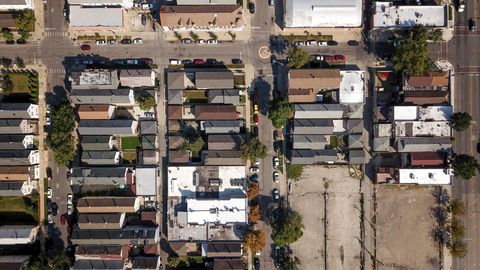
x,y
70,199
312,43
175,62
276,162
200,41
69,210
276,177
254,169
319,58
101,42
212,41
322,43
48,108
138,41
461,7
257,161
49,193
50,219
299,43
48,120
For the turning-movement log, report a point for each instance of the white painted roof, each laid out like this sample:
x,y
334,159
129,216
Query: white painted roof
x,y
146,181
352,86
388,15
233,210
431,113
96,17
425,176
421,129
405,113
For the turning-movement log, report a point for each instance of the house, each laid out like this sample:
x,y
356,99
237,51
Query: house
x,y
221,126
423,144
95,18
218,211
355,141
101,221
230,96
18,234
148,157
101,158
146,181
94,78
215,112
175,97
423,159
96,143
100,176
180,80
225,141
16,142
18,111
148,127
11,189
309,141
83,264
83,252
14,262
148,142
389,15
425,97
137,78
107,127
305,85
16,4
138,235
222,250
356,156
434,80
355,126
382,144
310,157
108,205
19,157
352,86
16,173
175,142
95,111
118,97
313,126
223,158
214,80
228,264
17,126
146,262
201,18
315,14
175,112
7,20
319,111
427,176
178,157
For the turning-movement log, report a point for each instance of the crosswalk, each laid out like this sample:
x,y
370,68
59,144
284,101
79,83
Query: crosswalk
x,y
56,71
38,52
56,34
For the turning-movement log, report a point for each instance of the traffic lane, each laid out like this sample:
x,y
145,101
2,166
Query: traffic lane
x,y
54,18
26,51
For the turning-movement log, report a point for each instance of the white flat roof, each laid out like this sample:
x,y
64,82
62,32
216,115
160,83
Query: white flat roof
x,y
424,176
146,181
96,17
352,86
430,113
321,13
389,15
405,113
181,179
233,210
338,125
421,129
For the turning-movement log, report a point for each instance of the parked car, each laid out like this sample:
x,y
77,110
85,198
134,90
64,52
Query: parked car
x,y
48,120
69,199
275,135
322,43
186,41
318,57
174,62
339,57
138,41
10,41
48,108
328,58
69,209
332,43
126,41
187,61
299,43
276,195
49,193
254,177
132,62
256,119
62,219
212,41
276,177
472,25
311,43
251,7
50,219
237,61
200,41
271,2
143,18
147,61
276,162
85,47
199,61
277,256
254,169
101,42
112,41
257,161
352,43
255,108
87,62
461,7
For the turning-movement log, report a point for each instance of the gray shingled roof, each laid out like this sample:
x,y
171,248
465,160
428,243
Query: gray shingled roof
x,y
14,158
148,127
95,143
98,264
106,127
14,110
98,175
214,80
148,142
12,141
230,96
221,126
175,97
319,110
96,158
100,96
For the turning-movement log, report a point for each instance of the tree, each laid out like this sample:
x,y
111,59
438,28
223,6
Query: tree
x,y
25,20
441,196
298,58
290,263
461,121
435,34
213,35
7,62
178,35
193,35
254,240
412,54
280,111
19,62
465,166
193,144
457,228
294,171
456,207
24,34
254,213
253,190
7,84
288,229
457,248
7,34
146,102
253,149
59,261
60,137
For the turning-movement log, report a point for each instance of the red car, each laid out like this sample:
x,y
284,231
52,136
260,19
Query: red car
x,y
339,57
328,58
85,47
256,118
199,61
147,61
62,220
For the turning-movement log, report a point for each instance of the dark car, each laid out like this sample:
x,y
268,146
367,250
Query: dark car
x,y
21,41
275,135
199,61
237,61
85,47
187,61
143,18
254,177
251,7
211,61
186,41
147,61
352,43
277,254
472,25
126,41
256,263
332,43
10,41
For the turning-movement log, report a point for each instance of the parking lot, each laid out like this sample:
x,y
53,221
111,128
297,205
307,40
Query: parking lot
x,y
403,230
342,214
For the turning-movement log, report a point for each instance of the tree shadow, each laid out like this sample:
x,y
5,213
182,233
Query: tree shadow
x,y
262,94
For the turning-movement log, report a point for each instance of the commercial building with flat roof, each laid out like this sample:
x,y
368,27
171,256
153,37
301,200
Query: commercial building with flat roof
x,y
389,15
218,211
425,176
16,4
95,17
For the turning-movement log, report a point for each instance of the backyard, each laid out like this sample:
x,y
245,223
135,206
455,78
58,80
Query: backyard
x,y
18,210
195,96
130,143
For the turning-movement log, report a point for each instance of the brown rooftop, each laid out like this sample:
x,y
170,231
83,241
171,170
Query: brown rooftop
x,y
201,16
427,159
215,112
429,79
175,112
314,79
91,111
178,157
301,95
106,204
14,173
423,97
174,142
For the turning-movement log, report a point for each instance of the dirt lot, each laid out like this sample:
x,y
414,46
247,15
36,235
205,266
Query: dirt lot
x,y
343,216
404,225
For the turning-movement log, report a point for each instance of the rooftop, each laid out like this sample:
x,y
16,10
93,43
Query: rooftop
x,y
218,211
201,16
435,113
422,129
387,14
101,79
95,17
352,86
425,176
146,181
313,79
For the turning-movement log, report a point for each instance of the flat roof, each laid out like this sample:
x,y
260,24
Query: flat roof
x,y
352,86
424,176
389,15
420,129
201,211
430,113
95,16
146,181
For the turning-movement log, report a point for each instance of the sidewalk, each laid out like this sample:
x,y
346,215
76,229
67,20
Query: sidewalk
x,y
39,10
339,34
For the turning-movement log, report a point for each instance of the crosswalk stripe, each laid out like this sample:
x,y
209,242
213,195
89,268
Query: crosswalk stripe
x,y
56,70
56,34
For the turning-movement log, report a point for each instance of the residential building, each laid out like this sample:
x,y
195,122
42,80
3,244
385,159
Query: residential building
x,y
228,264
16,4
201,18
17,126
175,142
215,112
148,142
425,97
226,141
221,126
19,157
101,158
95,112
355,126
148,127
309,141
11,189
310,157
146,181
95,18
101,252
101,221
178,157
319,111
218,211
214,80
175,112
308,85
96,143
146,263
313,126
175,97
138,235
18,234
16,142
18,111
423,144
118,97
180,80
16,173
352,86
94,78
389,15
108,204
434,80
102,3
147,157
83,264
223,158
230,96
321,14
222,249
137,78
356,156
107,127
100,176
430,176
423,159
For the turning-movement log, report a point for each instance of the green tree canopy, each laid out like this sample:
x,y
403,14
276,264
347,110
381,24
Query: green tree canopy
x,y
25,20
193,144
294,171
465,166
412,54
146,102
456,207
7,34
461,121
290,263
280,111
288,229
253,149
297,57
457,248
60,137
457,228
52,262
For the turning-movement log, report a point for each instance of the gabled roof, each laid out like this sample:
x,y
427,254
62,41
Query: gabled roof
x,y
230,96
100,220
221,126
94,111
18,111
319,110
107,127
106,204
13,141
98,264
428,80
178,157
99,175
215,112
178,81
148,127
214,80
223,158
424,97
175,97
175,112
14,173
16,158
222,249
99,158
314,79
427,159
145,262
201,16
101,96
225,141
95,143
148,142
228,264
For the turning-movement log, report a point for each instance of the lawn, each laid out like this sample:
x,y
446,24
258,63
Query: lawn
x,y
20,82
130,143
18,210
129,157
